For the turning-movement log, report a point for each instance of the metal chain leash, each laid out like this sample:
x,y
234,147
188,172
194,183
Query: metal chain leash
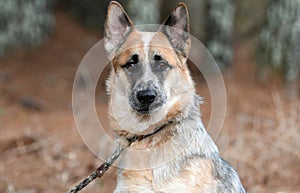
x,y
99,172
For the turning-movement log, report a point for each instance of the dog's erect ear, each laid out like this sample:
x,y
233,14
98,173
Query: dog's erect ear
x,y
178,32
117,27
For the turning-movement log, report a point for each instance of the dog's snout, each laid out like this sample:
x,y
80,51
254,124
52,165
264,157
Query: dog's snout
x,y
146,97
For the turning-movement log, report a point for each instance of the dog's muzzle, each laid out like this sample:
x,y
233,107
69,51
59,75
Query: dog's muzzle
x,y
146,100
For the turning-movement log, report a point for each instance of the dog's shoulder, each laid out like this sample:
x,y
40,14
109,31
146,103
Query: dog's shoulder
x,y
227,176
212,175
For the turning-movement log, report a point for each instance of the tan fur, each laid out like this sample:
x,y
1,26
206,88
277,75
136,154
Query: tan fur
x,y
174,111
189,179
131,46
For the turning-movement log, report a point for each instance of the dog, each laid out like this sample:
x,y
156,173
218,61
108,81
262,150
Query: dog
x,y
152,96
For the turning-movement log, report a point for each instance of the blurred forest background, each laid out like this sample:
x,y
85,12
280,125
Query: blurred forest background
x,y
255,43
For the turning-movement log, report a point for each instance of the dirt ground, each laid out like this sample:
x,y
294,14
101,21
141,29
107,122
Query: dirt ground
x,y
41,150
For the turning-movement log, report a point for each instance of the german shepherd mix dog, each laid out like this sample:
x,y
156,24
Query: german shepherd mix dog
x,y
152,95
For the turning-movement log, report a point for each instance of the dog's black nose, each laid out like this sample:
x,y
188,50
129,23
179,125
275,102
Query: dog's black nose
x,y
146,97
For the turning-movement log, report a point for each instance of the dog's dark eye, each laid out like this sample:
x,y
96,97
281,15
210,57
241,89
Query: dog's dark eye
x,y
131,62
161,64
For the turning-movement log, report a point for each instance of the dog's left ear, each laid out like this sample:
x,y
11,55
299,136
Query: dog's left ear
x,y
177,28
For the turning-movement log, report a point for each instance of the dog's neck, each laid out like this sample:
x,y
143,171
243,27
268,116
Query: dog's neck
x,y
175,142
155,131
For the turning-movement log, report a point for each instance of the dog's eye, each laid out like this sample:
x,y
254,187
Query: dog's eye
x,y
131,62
161,64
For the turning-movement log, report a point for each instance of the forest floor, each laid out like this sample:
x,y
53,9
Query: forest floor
x,y
41,150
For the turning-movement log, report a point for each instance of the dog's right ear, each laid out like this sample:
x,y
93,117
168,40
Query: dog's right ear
x,y
117,27
177,28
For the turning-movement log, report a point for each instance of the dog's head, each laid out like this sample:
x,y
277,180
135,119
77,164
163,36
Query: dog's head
x,y
150,82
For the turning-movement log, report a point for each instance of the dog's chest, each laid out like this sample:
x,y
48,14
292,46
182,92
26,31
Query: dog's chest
x,y
197,176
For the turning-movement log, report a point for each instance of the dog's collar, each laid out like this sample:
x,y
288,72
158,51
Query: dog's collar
x,y
141,137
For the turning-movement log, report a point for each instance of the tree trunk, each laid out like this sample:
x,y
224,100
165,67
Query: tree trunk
x,y
144,11
24,23
279,42
219,26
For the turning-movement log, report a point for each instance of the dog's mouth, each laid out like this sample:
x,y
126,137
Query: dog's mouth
x,y
147,109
